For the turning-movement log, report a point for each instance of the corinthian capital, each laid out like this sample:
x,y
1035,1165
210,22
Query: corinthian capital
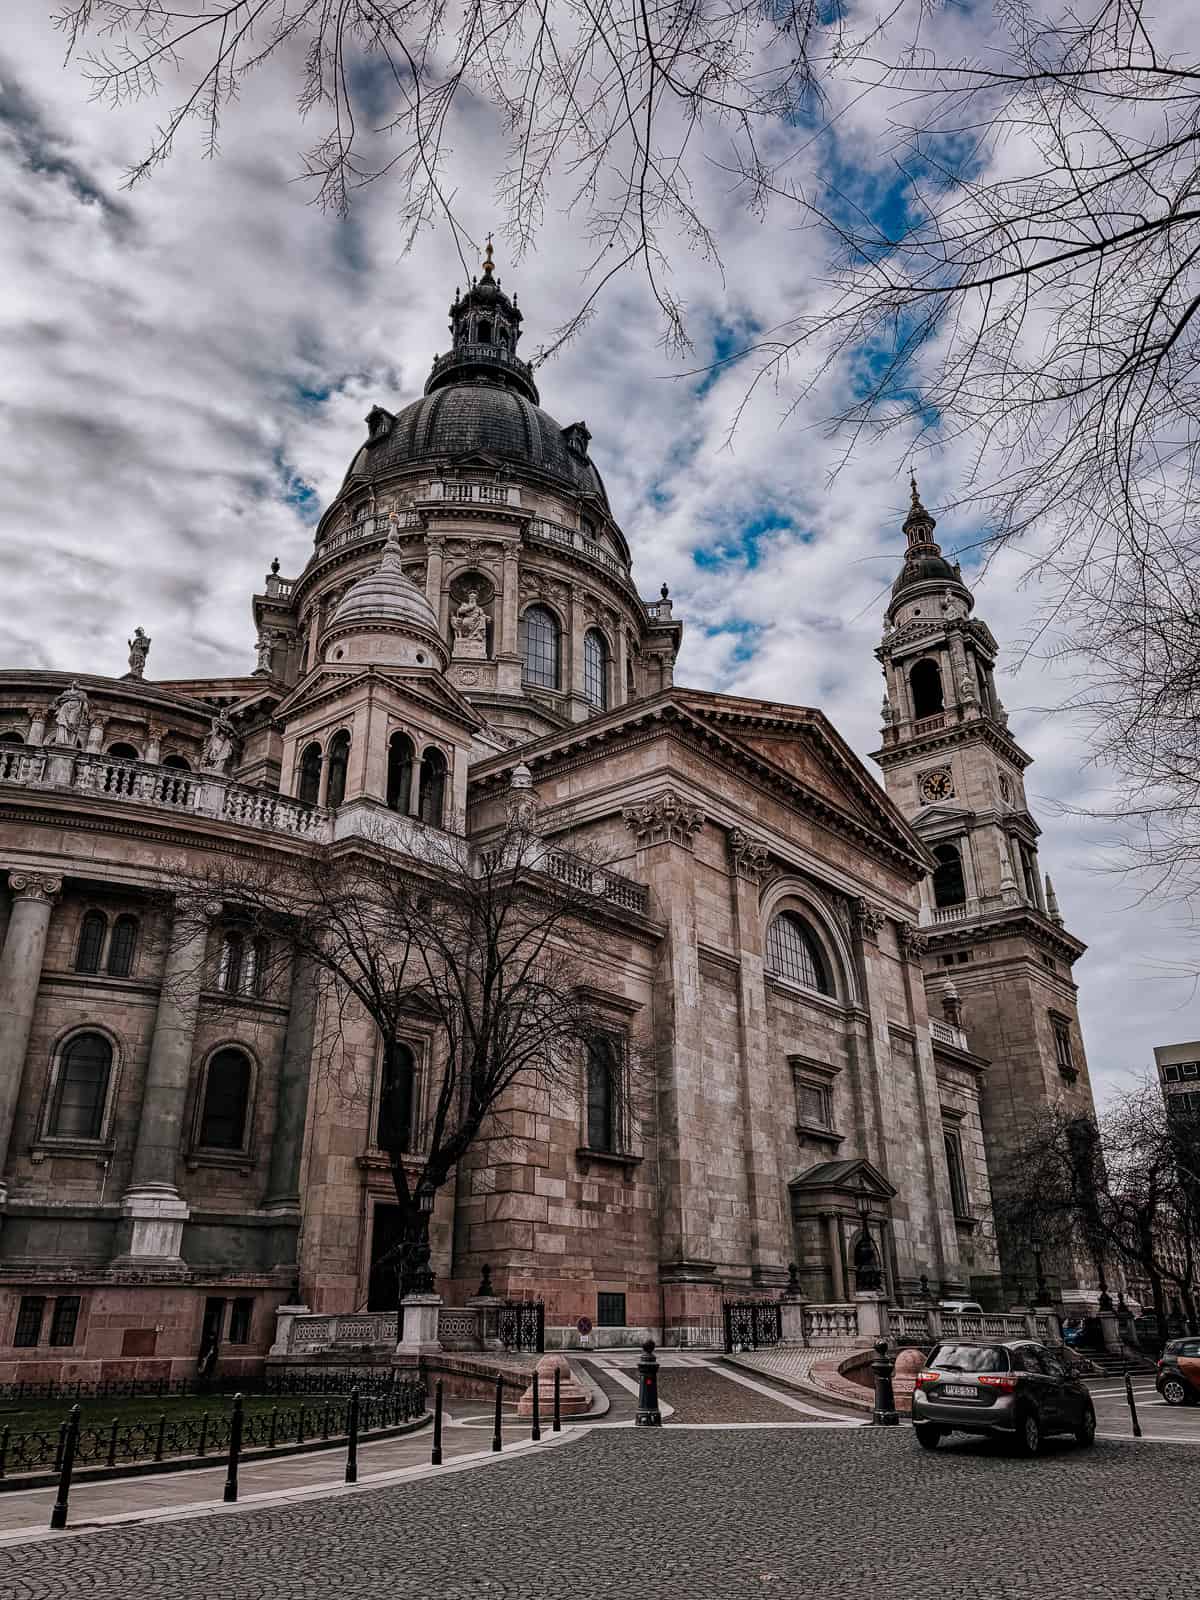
x,y
750,857
34,886
913,943
865,918
665,818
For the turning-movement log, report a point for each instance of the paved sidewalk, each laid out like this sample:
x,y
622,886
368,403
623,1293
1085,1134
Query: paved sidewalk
x,y
468,1428
812,1370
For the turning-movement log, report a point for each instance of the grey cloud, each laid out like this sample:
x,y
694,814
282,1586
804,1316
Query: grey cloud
x,y
42,151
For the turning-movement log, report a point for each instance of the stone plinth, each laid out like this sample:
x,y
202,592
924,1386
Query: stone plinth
x,y
488,1307
872,1316
285,1316
791,1320
573,1399
419,1330
154,1219
904,1378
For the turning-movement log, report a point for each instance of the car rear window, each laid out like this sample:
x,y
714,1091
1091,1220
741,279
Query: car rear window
x,y
971,1358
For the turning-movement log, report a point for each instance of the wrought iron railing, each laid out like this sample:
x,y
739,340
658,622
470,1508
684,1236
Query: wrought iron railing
x,y
162,1437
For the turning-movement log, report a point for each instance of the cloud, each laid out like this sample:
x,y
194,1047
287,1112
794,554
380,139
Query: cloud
x,y
187,368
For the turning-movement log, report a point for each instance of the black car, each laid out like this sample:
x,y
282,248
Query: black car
x,y
1018,1389
1178,1379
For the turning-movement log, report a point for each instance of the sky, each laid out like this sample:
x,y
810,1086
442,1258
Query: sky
x,y
184,373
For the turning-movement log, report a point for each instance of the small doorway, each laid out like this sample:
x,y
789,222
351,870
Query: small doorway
x,y
210,1335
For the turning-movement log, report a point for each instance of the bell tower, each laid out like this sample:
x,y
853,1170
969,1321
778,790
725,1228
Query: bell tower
x,y
991,924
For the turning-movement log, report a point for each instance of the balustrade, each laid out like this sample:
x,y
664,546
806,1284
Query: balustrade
x,y
830,1324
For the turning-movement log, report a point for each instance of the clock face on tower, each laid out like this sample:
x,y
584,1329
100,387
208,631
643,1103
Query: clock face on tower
x,y
937,785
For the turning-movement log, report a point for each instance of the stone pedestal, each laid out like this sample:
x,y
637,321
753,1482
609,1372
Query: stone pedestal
x,y
285,1316
470,649
419,1328
1110,1331
573,1398
488,1307
791,1320
152,1228
872,1316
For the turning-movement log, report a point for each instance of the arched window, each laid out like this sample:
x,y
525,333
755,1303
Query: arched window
x,y
948,886
925,682
602,1095
176,763
399,773
233,956
339,759
595,669
538,640
433,787
254,966
82,1088
91,942
121,946
123,752
794,953
485,333
226,1101
310,775
11,737
397,1096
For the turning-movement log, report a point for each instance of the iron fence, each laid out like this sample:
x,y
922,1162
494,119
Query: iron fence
x,y
750,1324
522,1325
116,1444
295,1381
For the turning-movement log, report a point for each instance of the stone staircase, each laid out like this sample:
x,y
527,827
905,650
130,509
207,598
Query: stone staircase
x,y
1115,1364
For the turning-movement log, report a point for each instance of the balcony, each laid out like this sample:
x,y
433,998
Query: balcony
x,y
572,539
974,906
487,494
946,1033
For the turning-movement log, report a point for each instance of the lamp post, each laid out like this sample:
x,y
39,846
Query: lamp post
x,y
1041,1293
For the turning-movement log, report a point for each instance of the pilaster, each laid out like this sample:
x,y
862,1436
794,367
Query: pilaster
x,y
34,895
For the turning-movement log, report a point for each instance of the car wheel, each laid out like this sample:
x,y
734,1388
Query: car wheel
x,y
928,1437
1085,1433
1028,1439
1174,1392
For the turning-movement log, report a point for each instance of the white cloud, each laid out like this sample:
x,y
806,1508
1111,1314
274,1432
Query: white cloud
x,y
178,358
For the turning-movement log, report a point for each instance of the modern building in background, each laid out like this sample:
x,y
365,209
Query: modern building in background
x,y
1178,1067
858,998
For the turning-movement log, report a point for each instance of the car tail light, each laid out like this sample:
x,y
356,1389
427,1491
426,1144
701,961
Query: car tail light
x,y
924,1379
1004,1381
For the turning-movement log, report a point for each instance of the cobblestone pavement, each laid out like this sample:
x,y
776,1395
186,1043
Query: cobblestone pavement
x,y
640,1514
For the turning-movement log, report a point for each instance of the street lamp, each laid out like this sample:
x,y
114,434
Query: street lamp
x,y
1041,1293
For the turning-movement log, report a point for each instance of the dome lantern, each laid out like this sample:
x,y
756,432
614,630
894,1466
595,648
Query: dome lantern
x,y
485,325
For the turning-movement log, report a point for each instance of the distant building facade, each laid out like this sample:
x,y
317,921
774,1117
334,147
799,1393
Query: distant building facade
x,y
857,998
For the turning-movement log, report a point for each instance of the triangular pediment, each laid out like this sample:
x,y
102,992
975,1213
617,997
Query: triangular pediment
x,y
934,819
856,1176
429,689
480,458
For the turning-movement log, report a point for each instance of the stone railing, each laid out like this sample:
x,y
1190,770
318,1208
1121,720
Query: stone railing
x,y
300,1335
573,539
928,1324
944,1033
365,528
588,879
831,1324
658,610
935,916
487,494
498,355
198,794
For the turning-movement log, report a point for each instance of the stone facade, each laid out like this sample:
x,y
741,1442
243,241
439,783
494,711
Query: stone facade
x,y
175,1161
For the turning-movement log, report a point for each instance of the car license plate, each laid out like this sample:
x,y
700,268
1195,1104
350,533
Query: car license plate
x,y
959,1391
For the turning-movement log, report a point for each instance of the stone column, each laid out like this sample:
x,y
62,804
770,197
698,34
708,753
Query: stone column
x,y
749,859
833,1243
37,724
155,732
291,1110
621,688
153,1205
34,894
435,555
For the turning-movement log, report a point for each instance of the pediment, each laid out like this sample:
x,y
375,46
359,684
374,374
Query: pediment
x,y
935,819
429,689
855,1176
480,458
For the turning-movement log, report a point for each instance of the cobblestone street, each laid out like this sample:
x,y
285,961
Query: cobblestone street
x,y
680,1513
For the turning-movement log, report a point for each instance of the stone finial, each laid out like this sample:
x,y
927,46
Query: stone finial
x,y
1052,910
522,778
275,566
522,805
664,592
139,649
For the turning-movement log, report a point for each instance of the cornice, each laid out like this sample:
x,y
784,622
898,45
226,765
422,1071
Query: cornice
x,y
1007,925
981,728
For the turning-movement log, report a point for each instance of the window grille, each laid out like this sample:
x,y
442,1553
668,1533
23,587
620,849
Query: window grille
x,y
610,1311
29,1321
82,1088
595,670
539,645
793,953
65,1319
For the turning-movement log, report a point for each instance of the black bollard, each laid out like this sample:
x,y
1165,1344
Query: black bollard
x,y
111,1459
158,1443
1137,1427
884,1414
435,1459
497,1435
352,1439
535,1433
202,1442
557,1427
235,1450
648,1414
61,1445
58,1515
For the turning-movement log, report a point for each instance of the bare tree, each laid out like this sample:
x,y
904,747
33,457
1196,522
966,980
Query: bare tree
x,y
492,949
1118,1189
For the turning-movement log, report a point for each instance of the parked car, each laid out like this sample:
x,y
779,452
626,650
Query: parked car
x,y
970,1308
1019,1389
1178,1379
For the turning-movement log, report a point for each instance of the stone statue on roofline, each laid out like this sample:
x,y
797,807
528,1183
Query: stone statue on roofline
x,y
139,649
70,712
220,744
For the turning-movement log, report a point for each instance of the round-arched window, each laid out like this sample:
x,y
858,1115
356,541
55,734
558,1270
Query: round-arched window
x,y
539,645
949,889
432,801
226,1101
794,953
339,761
399,772
310,775
925,682
595,669
82,1088
123,752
